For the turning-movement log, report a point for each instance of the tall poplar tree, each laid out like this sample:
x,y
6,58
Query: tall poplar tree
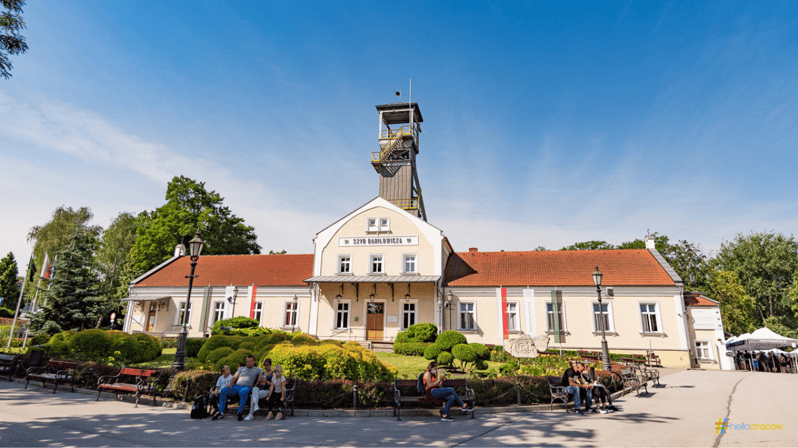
x,y
9,280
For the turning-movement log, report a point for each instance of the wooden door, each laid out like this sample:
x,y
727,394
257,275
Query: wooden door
x,y
374,321
150,317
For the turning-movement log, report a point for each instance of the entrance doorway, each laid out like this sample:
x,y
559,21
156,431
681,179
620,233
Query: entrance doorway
x,y
375,321
150,324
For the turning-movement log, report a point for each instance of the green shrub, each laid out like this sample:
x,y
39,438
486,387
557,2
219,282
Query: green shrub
x,y
234,360
410,348
64,336
465,354
278,337
248,345
432,352
90,344
237,322
329,361
6,312
50,327
193,346
212,344
445,359
448,339
150,347
219,353
59,349
481,364
40,339
303,339
481,350
421,332
332,341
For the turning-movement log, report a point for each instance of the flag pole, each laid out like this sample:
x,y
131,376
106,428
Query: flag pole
x,y
21,292
45,270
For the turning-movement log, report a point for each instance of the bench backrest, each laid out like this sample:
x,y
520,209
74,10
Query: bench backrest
x,y
62,364
138,372
6,357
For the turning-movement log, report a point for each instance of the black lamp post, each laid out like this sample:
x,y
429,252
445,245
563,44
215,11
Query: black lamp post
x,y
605,353
195,247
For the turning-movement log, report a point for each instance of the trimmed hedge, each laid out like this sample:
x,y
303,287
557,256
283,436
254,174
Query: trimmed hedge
x,y
422,332
110,346
448,339
432,352
410,348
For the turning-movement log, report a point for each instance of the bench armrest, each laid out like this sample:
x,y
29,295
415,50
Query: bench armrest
x,y
34,370
106,379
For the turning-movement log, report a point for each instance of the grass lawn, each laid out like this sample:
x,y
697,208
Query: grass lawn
x,y
166,360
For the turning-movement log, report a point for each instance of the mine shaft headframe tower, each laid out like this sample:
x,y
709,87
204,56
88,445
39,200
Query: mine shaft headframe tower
x,y
400,127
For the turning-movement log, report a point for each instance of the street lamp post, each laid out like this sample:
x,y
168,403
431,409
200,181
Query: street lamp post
x,y
195,247
605,353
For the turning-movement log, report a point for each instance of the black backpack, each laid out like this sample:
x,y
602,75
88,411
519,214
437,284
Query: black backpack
x,y
199,408
420,383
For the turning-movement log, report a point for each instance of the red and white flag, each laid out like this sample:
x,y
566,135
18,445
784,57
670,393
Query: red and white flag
x,y
46,268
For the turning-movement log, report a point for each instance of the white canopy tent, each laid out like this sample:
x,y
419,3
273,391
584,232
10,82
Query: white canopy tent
x,y
762,339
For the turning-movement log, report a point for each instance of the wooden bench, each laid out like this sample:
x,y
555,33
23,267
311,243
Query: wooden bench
x,y
633,381
56,371
468,397
288,398
558,392
653,360
9,364
131,380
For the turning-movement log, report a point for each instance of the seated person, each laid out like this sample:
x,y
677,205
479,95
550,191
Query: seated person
x,y
261,388
276,394
434,383
222,383
603,397
241,385
574,383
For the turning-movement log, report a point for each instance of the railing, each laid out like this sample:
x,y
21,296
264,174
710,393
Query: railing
x,y
395,136
406,204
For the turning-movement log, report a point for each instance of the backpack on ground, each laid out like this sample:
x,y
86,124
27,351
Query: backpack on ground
x,y
199,408
420,383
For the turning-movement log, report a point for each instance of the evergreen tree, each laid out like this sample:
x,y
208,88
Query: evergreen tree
x,y
9,280
73,300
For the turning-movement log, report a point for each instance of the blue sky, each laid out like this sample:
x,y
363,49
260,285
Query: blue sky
x,y
545,123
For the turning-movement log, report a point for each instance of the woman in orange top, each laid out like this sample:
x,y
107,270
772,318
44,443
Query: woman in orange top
x,y
433,383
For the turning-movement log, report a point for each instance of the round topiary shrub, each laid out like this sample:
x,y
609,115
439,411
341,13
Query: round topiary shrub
x,y
448,339
464,353
481,364
303,339
481,350
332,342
59,349
212,344
410,348
423,332
219,353
248,345
445,359
432,352
234,360
64,336
276,338
149,347
193,346
90,344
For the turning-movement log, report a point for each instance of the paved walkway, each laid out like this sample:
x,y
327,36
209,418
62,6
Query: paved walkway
x,y
681,413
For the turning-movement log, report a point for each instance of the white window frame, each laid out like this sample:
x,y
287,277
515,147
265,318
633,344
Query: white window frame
x,y
610,317
218,312
513,322
180,307
415,263
564,321
708,349
384,224
371,263
657,318
287,311
372,225
258,314
340,262
413,312
337,311
460,313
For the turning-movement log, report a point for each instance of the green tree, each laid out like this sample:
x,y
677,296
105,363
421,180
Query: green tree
x,y
9,280
11,42
54,236
737,308
765,263
114,247
691,264
189,206
590,245
661,243
73,300
274,252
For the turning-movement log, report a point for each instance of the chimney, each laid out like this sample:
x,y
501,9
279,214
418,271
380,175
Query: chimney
x,y
650,242
473,250
180,250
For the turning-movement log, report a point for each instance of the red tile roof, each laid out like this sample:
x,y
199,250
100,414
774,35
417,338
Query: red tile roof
x,y
626,267
218,270
695,299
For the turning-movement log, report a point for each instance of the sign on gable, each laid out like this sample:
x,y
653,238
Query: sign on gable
x,y
388,240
